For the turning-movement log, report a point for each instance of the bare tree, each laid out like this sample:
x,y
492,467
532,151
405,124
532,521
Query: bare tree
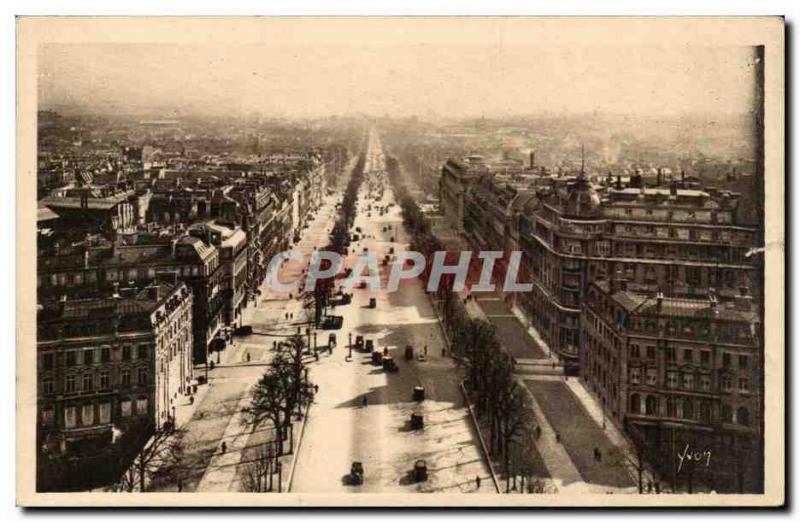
x,y
161,453
269,403
637,461
257,474
291,357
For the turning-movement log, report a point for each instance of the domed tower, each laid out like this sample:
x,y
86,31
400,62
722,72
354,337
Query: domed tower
x,y
582,200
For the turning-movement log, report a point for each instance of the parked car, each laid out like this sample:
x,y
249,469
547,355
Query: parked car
x,y
420,471
356,476
243,330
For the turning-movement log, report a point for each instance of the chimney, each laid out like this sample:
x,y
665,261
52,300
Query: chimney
x,y
659,177
532,157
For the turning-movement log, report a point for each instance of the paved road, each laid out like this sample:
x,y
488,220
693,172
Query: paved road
x,y
340,429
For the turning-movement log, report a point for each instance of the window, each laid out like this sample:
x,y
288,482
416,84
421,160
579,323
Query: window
x,y
126,353
743,416
105,354
672,379
104,410
636,404
672,407
727,413
141,405
688,409
47,361
70,359
635,376
652,376
670,353
105,381
688,355
88,381
705,412
726,360
635,351
744,362
744,385
705,356
726,383
651,406
125,378
88,357
142,352
125,408
142,377
705,382
651,352
688,381
48,417
87,414
48,386
70,417
69,383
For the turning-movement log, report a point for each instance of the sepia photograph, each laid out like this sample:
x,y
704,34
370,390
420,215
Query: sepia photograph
x,y
400,261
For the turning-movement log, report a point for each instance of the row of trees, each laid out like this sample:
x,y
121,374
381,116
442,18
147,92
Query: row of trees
x,y
500,399
283,390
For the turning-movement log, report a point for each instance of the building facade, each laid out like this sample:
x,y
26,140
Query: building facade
x,y
109,363
681,373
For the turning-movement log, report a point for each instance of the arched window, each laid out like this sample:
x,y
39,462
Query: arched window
x,y
727,413
705,412
672,407
743,416
688,409
651,405
636,404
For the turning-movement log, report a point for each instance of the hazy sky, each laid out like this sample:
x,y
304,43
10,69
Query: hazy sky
x,y
424,79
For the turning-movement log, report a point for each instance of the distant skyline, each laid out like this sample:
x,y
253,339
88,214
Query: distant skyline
x,y
306,80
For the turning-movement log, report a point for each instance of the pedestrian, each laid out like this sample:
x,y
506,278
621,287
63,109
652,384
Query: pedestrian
x,y
538,432
444,352
364,401
599,456
224,446
316,389
477,482
426,350
558,437
248,356
180,485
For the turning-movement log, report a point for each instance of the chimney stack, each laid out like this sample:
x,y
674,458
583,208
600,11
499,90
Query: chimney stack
x,y
532,157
